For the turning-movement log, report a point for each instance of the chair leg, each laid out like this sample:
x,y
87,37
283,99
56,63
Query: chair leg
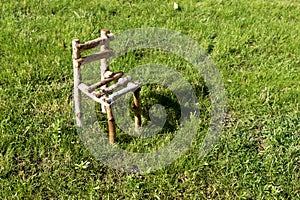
x,y
77,81
137,110
111,124
77,103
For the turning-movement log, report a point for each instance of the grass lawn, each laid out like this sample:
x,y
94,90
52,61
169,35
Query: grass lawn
x,y
256,48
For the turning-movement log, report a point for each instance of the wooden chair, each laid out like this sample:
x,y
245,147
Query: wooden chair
x,y
107,94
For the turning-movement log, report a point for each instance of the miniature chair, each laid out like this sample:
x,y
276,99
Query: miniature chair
x,y
106,95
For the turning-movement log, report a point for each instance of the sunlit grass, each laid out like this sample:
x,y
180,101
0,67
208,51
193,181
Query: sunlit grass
x,y
255,45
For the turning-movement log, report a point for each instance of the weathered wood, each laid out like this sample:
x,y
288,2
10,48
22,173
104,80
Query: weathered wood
x,y
129,88
105,46
96,56
94,43
137,109
77,81
122,82
105,81
108,74
85,89
111,124
104,66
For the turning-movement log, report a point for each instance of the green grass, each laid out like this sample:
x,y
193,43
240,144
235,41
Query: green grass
x,y
255,45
